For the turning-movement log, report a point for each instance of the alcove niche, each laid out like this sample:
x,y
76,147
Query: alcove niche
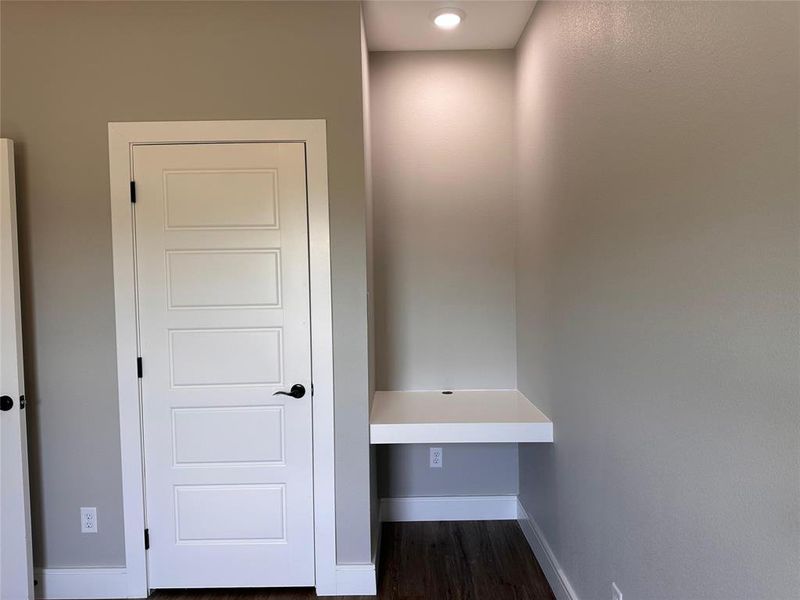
x,y
441,224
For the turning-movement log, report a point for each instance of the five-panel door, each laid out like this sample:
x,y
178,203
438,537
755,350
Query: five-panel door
x,y
221,236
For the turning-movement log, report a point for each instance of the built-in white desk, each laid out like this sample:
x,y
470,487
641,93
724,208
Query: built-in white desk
x,y
462,416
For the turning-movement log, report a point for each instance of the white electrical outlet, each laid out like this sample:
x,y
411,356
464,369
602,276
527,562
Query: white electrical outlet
x,y
436,458
615,593
88,519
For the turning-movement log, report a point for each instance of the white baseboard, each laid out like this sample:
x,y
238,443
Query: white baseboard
x,y
99,582
356,580
449,508
107,583
544,554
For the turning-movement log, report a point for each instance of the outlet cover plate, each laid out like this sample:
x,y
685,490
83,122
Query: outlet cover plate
x,y
436,458
88,519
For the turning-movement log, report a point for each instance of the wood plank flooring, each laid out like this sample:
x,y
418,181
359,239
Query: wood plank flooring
x,y
463,560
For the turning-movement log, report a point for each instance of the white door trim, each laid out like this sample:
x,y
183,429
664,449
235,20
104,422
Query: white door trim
x,y
121,138
16,559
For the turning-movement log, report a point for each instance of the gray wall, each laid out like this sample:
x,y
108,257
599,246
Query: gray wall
x,y
67,70
442,128
442,133
657,294
467,470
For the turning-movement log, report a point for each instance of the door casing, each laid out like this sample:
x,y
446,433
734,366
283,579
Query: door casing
x,y
16,559
121,139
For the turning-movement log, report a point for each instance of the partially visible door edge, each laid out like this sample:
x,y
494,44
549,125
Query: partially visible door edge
x,y
9,196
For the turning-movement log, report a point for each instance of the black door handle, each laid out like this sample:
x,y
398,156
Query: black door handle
x,y
6,403
297,391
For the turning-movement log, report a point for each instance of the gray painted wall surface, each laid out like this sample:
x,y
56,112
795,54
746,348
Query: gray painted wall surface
x,y
657,294
67,70
442,132
373,459
442,128
467,470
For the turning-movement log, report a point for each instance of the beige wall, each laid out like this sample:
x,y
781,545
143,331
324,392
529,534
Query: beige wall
x,y
442,131
443,141
67,70
657,294
367,103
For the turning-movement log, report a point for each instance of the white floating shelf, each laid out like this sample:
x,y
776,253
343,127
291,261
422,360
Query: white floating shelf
x,y
465,416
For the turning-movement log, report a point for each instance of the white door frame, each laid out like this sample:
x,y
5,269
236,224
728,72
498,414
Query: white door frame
x,y
16,559
121,139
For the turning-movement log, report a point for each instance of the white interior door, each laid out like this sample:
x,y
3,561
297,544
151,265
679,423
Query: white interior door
x,y
16,574
223,294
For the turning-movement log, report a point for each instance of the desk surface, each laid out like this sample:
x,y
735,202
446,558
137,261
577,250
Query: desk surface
x,y
465,416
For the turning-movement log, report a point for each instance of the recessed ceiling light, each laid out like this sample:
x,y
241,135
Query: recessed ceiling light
x,y
448,18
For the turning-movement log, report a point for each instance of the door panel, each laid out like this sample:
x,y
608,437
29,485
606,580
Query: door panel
x,y
230,513
222,279
200,199
16,571
261,433
226,357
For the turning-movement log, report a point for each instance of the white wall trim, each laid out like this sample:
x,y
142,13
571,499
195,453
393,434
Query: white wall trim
x,y
355,580
544,554
99,582
121,138
449,508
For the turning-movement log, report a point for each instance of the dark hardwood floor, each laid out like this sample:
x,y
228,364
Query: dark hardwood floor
x,y
465,560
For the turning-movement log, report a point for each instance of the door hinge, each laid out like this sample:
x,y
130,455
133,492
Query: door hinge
x,y
139,367
147,539
133,192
